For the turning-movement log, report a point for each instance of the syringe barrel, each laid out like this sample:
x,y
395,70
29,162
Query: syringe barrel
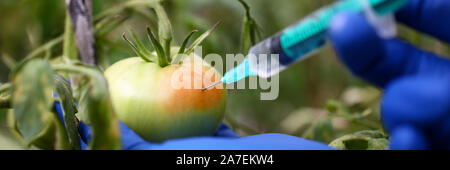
x,y
268,58
265,59
303,39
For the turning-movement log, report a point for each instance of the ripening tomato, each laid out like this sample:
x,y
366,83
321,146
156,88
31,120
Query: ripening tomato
x,y
161,103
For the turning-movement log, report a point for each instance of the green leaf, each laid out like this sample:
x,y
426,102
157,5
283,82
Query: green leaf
x,y
95,107
8,142
32,98
54,136
200,39
251,33
363,140
64,91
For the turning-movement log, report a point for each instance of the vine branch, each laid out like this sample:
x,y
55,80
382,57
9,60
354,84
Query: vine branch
x,y
80,12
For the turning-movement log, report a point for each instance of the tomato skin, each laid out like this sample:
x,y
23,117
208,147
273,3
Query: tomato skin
x,y
144,100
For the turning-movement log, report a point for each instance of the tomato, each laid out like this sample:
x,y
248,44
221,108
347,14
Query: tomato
x,y
145,99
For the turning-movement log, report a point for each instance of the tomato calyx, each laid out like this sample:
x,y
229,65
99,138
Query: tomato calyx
x,y
163,55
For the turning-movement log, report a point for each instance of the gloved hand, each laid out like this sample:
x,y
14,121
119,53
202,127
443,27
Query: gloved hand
x,y
223,139
416,103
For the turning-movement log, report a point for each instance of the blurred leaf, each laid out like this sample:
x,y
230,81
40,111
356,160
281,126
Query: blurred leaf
x,y
323,130
5,100
107,25
66,100
32,103
5,95
334,106
7,142
32,98
95,107
360,96
54,136
300,121
251,33
35,53
363,140
8,60
124,6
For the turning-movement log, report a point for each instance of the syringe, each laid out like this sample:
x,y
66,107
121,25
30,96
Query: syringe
x,y
300,40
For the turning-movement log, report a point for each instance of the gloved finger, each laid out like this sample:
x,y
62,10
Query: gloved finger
x,y
59,111
128,137
377,60
427,16
225,131
131,140
422,101
407,137
85,132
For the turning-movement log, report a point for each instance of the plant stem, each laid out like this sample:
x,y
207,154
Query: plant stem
x,y
83,29
45,47
69,46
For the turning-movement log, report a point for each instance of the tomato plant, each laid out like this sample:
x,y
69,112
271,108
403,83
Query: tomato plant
x,y
146,99
136,90
54,72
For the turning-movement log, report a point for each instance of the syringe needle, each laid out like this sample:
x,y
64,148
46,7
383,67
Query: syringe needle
x,y
212,85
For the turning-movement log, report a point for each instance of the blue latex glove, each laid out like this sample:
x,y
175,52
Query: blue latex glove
x,y
223,139
416,102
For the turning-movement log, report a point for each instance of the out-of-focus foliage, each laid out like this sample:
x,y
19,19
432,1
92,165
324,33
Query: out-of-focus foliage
x,y
319,99
94,103
363,140
65,99
32,99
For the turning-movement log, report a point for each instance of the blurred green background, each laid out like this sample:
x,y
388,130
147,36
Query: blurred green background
x,y
319,99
